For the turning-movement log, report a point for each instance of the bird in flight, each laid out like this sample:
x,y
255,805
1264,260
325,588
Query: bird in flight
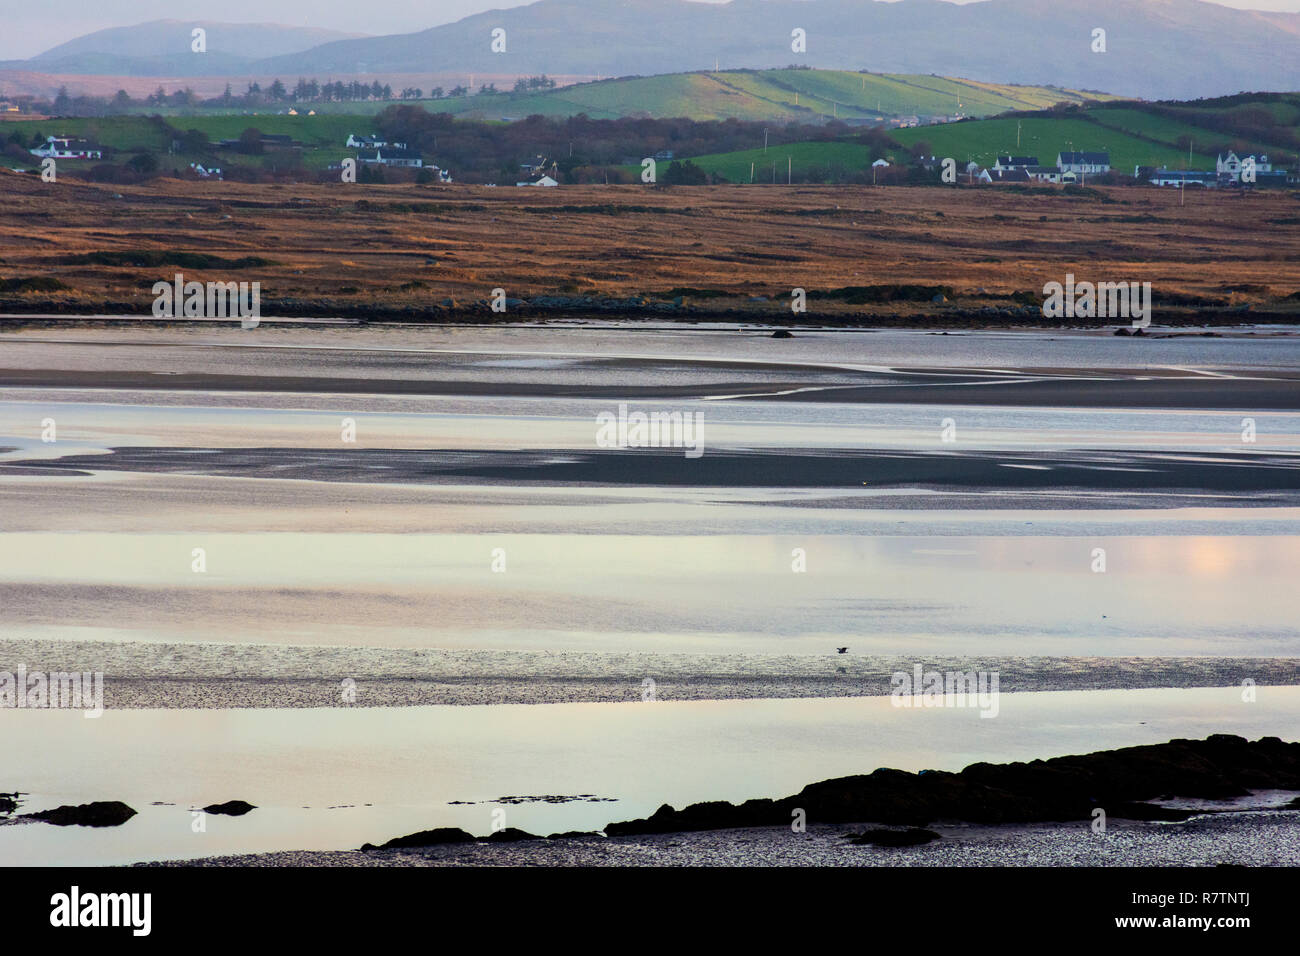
x,y
842,650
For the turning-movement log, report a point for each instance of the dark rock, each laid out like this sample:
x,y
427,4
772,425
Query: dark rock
x,y
435,837
575,835
1122,331
1139,332
1063,788
509,835
231,808
912,836
782,334
110,813
8,802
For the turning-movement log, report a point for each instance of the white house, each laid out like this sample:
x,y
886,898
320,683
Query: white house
x,y
1183,178
1043,174
1231,166
1014,162
1083,163
881,164
62,147
544,181
204,173
391,156
370,142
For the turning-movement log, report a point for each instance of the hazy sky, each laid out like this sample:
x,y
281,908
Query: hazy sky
x,y
32,26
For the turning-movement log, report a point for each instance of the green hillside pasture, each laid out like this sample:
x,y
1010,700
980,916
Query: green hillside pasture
x,y
1141,123
803,157
763,95
1044,137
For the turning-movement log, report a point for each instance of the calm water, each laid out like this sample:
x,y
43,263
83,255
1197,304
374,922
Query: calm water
x,y
409,763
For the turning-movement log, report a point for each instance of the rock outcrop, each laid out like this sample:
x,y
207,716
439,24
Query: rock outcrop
x,y
1060,789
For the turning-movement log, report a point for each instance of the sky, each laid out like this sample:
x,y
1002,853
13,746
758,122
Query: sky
x,y
33,26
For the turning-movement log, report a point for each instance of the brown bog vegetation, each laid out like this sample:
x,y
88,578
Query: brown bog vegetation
x,y
955,255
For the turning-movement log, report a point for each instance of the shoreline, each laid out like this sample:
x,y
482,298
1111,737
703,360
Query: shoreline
x,y
1179,802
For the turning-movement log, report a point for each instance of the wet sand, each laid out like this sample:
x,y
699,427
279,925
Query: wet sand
x,y
216,675
1272,479
873,366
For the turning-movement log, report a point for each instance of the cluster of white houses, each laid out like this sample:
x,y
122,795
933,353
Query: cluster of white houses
x,y
1071,167
1076,167
1229,171
373,151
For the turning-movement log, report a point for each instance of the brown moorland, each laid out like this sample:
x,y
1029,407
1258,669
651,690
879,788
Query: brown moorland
x,y
434,252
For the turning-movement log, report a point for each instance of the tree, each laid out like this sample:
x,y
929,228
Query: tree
x,y
194,141
62,102
276,92
146,164
684,173
436,93
250,142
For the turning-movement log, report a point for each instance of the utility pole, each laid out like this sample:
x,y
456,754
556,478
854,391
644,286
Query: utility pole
x,y
1017,134
789,167
765,139
751,174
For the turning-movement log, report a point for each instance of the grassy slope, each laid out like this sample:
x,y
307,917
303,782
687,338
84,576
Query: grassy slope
x,y
735,167
1044,137
767,95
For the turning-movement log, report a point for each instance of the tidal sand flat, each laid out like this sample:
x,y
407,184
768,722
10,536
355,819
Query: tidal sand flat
x,y
378,580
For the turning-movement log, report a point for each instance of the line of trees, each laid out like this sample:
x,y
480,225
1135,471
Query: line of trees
x,y
255,95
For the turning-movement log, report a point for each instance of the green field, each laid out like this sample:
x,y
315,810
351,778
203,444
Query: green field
x,y
760,95
773,164
768,96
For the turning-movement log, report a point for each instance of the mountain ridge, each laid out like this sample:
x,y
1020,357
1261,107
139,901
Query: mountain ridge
x,y
1156,49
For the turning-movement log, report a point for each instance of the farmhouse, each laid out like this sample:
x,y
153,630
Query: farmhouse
x,y
370,142
1083,163
391,156
543,181
1019,175
63,147
1184,177
1043,174
271,140
1231,166
1014,162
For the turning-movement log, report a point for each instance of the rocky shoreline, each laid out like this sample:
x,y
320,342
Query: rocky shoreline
x,y
1043,812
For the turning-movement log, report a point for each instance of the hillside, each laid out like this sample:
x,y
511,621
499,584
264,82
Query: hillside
x,y
803,96
1134,134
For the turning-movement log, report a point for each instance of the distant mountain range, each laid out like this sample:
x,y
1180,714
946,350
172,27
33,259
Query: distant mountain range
x,y
163,48
1154,48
